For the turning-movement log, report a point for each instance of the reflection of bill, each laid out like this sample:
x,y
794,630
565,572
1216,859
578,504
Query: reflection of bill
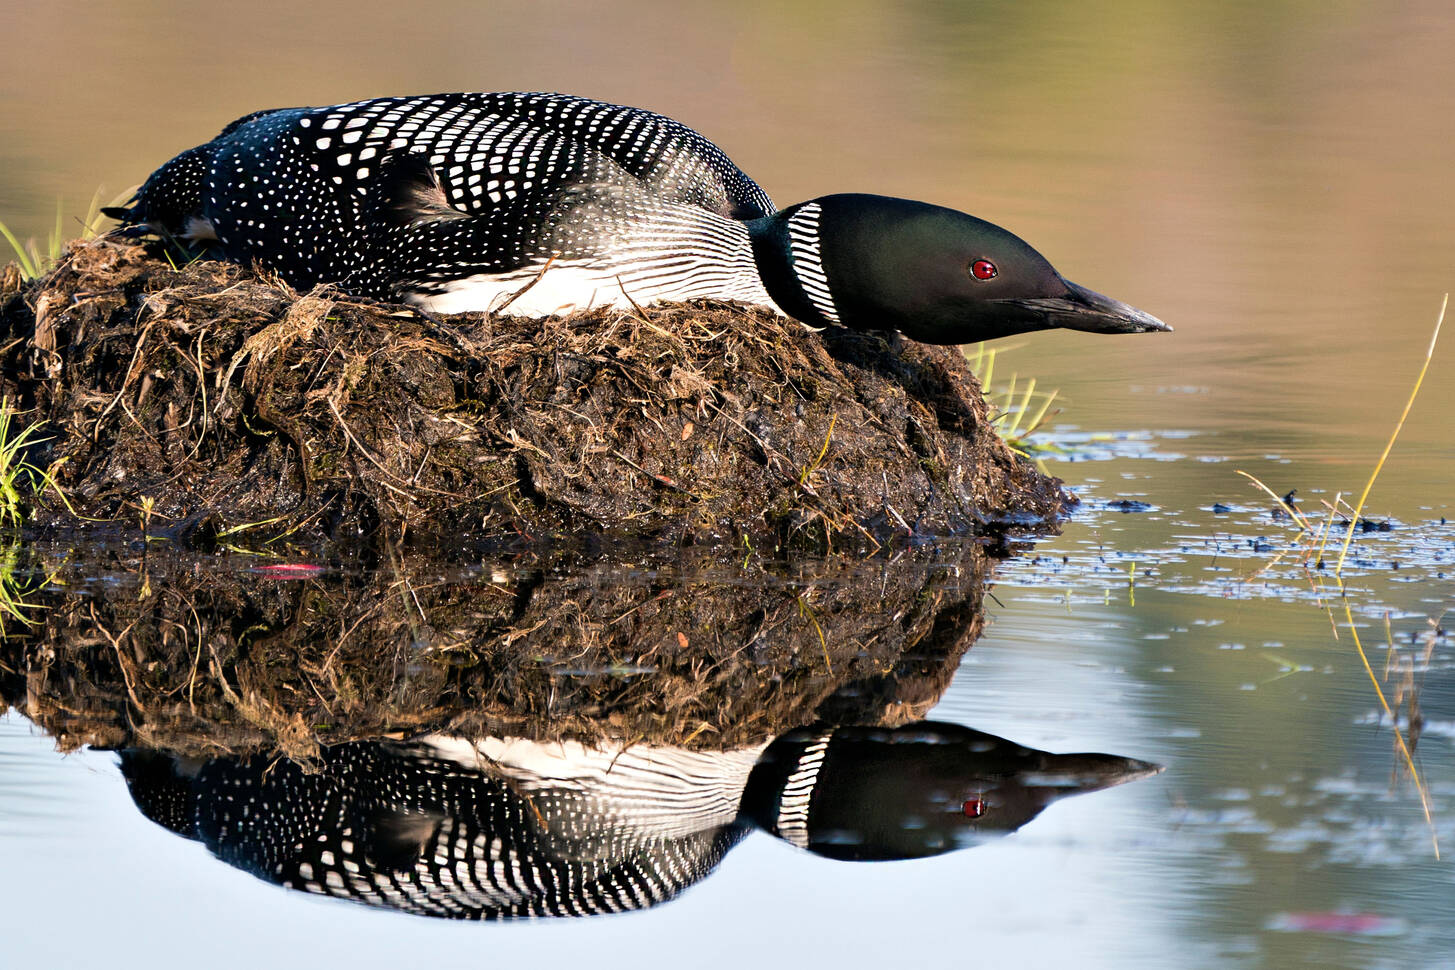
x,y
507,827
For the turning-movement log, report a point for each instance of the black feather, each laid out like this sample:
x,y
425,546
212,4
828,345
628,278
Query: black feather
x,y
409,192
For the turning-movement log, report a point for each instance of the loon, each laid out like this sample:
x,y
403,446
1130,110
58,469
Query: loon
x,y
502,828
539,204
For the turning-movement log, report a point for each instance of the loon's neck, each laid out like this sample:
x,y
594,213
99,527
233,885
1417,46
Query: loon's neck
x,y
687,253
789,258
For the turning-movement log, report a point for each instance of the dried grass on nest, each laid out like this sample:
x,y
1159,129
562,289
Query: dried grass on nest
x,y
220,399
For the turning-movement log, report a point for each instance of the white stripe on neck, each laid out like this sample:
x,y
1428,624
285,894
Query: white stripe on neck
x,y
803,245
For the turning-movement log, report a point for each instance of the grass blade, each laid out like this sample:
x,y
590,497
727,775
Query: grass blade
x,y
1414,392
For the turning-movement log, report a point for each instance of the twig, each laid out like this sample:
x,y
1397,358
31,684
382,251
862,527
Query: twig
x,y
125,383
526,288
661,480
375,462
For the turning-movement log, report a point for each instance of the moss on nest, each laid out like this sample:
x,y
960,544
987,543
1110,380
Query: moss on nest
x,y
213,398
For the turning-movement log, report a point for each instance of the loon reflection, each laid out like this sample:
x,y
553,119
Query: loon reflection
x,y
506,828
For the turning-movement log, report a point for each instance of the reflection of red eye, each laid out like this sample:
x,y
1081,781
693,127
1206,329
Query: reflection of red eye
x,y
974,807
983,269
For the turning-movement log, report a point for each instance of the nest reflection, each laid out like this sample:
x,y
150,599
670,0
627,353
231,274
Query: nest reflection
x,y
201,656
531,738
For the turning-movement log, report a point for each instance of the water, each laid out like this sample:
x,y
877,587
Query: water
x,y
1271,179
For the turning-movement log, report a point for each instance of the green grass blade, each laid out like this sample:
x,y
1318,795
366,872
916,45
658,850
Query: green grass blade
x,y
27,265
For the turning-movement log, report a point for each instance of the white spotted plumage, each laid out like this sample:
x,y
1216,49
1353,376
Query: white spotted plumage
x,y
458,201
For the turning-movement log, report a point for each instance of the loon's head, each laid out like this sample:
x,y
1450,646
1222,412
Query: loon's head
x,y
937,275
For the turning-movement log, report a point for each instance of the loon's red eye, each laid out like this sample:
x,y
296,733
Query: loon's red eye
x,y
983,269
974,807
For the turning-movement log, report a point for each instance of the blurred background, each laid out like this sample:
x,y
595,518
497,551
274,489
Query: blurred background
x,y
1275,179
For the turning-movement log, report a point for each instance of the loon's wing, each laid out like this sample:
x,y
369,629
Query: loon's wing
x,y
454,184
486,185
671,160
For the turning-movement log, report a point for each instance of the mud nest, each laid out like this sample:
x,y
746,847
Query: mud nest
x,y
192,401
201,655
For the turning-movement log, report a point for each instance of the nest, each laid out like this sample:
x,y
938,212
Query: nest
x,y
198,401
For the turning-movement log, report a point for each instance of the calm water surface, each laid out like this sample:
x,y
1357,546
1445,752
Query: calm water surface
x,y
1271,178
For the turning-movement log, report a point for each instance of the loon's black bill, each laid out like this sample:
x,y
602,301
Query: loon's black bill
x,y
1074,773
1088,310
